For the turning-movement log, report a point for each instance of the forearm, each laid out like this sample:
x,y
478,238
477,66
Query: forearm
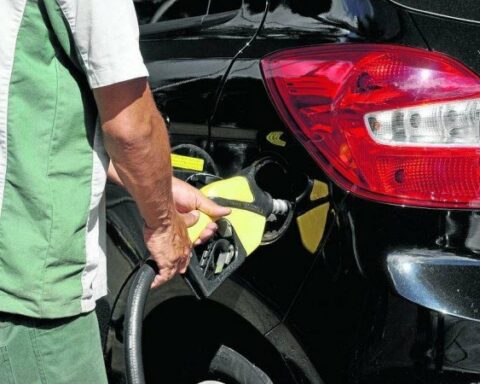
x,y
143,166
140,153
113,176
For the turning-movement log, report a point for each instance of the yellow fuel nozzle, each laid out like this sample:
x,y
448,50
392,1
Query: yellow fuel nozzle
x,y
239,234
246,217
250,207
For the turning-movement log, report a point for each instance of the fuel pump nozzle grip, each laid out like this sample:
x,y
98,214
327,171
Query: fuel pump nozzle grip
x,y
239,234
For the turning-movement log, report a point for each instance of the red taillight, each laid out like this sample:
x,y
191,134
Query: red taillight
x,y
389,123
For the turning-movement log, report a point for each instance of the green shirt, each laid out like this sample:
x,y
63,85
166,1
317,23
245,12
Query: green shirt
x,y
52,160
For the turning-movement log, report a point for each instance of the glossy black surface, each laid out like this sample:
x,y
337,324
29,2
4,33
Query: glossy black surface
x,y
441,35
337,314
466,10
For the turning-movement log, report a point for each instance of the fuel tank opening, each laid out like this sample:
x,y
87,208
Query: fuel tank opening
x,y
274,178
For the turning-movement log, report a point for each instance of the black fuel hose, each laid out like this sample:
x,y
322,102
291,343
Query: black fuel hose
x,y
137,297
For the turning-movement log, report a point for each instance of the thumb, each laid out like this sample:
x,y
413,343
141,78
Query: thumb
x,y
211,208
190,218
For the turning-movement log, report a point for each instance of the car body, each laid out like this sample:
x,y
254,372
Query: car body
x,y
341,313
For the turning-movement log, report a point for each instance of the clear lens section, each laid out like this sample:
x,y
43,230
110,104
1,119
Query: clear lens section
x,y
454,123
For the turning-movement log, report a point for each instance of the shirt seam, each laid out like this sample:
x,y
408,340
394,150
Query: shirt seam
x,y
44,272
6,98
82,299
38,356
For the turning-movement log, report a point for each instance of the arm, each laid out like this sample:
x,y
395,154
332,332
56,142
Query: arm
x,y
137,141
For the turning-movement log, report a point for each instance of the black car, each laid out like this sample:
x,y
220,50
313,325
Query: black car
x,y
371,108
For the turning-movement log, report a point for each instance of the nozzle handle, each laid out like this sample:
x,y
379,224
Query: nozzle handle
x,y
195,230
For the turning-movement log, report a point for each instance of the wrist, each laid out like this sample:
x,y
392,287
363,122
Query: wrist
x,y
163,221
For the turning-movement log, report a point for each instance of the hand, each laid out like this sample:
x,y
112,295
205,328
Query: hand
x,y
189,200
169,247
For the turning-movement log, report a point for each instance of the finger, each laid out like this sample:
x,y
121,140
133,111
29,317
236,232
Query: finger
x,y
190,218
209,207
206,235
182,267
158,281
187,251
163,276
212,226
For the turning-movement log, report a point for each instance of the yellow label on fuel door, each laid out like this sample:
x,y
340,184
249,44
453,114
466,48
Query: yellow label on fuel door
x,y
319,190
187,162
312,225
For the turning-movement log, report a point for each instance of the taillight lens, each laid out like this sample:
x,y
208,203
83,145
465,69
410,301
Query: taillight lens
x,y
389,123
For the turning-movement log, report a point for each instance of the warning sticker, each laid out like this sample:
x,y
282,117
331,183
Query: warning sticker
x,y
187,162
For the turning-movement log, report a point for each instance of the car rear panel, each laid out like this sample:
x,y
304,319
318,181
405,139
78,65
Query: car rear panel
x,y
335,309
340,301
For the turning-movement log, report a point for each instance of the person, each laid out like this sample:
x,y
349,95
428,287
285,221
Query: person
x,y
63,64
